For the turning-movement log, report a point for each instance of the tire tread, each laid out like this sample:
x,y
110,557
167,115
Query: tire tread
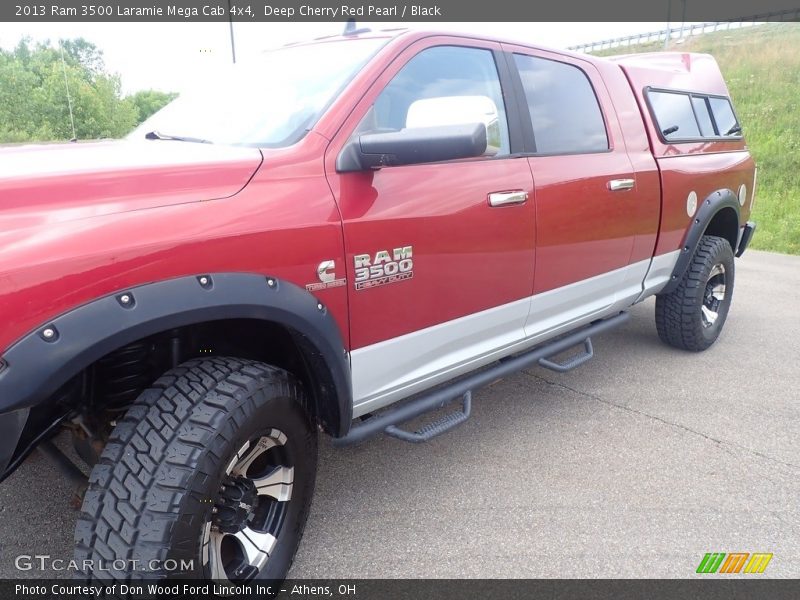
x,y
148,466
677,313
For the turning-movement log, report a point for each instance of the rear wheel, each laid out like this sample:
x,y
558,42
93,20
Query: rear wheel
x,y
691,317
209,475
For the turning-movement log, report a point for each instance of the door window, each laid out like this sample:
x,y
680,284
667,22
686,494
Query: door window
x,y
443,85
564,110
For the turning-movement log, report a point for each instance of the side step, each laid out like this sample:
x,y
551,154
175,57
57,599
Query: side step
x,y
572,362
430,431
387,421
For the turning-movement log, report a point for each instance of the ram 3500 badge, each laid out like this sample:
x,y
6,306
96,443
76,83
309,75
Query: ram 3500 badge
x,y
384,267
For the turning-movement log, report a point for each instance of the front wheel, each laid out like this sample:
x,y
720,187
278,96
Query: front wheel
x,y
209,475
691,317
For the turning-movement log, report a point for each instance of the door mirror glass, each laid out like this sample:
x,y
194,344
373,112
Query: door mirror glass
x,y
457,110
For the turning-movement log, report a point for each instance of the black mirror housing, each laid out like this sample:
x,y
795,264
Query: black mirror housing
x,y
412,146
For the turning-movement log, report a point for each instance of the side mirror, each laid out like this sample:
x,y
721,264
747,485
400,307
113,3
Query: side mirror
x,y
454,110
412,146
437,129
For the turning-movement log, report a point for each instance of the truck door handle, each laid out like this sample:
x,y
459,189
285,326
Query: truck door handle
x,y
506,198
617,185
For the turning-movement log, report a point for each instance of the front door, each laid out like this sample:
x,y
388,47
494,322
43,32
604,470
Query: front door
x,y
440,257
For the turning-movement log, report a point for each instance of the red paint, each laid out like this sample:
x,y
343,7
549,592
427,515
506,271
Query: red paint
x,y
55,256
468,256
583,228
80,221
704,173
704,166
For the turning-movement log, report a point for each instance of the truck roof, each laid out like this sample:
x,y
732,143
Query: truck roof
x,y
415,34
687,71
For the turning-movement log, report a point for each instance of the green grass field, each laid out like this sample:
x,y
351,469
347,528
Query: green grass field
x,y
762,67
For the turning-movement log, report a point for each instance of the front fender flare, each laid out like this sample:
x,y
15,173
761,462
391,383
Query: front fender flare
x,y
39,363
713,203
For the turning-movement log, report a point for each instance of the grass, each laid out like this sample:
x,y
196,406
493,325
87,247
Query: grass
x,y
761,65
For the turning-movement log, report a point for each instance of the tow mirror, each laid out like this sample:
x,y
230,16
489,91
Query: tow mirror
x,y
437,129
454,110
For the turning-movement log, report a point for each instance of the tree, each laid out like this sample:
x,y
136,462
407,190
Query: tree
x,y
148,102
37,86
79,52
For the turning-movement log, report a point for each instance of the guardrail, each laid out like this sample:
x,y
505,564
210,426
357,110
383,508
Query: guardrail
x,y
679,32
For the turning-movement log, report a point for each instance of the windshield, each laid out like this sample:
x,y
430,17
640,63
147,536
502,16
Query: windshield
x,y
270,102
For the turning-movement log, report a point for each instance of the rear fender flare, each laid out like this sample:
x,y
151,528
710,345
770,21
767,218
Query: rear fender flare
x,y
708,209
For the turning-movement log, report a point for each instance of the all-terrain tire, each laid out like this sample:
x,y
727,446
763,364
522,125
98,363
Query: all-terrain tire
x,y
153,492
680,318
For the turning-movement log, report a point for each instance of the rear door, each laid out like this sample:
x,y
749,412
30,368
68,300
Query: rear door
x,y
458,236
587,196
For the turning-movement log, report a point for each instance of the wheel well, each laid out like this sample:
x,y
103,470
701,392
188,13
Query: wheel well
x,y
107,387
725,224
99,356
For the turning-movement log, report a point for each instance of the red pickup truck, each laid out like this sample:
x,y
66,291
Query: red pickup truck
x,y
339,238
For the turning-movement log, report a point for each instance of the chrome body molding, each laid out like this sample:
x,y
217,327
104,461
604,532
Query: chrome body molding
x,y
397,368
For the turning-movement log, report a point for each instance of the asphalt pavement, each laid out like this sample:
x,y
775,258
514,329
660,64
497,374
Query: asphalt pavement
x,y
634,465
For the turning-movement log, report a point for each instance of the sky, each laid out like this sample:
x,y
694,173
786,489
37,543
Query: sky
x,y
170,56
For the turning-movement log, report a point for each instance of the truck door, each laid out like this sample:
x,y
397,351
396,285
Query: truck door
x,y
589,204
440,257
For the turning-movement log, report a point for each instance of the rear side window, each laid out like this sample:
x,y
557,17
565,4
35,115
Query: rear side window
x,y
686,116
675,115
564,110
703,116
723,115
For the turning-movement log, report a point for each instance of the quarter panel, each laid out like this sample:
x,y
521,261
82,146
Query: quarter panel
x,y
703,174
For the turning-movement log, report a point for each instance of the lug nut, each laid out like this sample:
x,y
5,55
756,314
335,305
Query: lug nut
x,y
204,281
271,282
49,333
319,306
125,299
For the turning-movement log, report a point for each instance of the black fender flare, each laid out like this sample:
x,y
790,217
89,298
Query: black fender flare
x,y
48,357
708,209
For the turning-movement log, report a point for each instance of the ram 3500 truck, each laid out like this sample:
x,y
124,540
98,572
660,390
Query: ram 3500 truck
x,y
339,238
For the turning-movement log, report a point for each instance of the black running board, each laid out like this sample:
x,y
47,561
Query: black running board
x,y
438,427
574,361
387,422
